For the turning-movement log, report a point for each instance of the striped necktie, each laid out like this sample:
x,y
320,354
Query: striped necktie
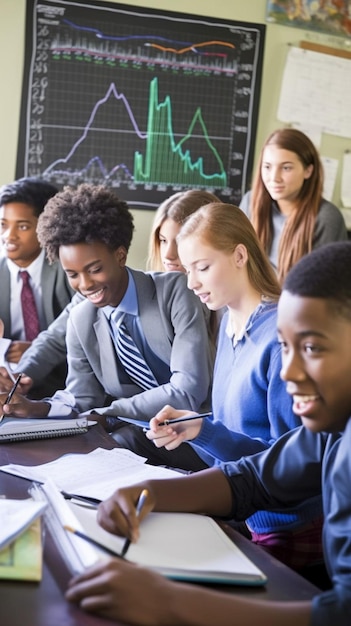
x,y
132,359
29,309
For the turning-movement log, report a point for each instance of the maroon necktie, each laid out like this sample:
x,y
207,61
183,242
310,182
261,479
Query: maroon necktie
x,y
29,309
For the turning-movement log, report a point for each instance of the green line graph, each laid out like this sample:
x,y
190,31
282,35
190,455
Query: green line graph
x,y
167,162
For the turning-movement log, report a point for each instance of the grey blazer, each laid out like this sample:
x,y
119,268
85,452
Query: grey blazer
x,y
174,326
56,293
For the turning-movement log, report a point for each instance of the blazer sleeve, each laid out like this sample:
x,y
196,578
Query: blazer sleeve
x,y
48,349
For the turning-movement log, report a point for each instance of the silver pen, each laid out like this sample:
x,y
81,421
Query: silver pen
x,y
11,393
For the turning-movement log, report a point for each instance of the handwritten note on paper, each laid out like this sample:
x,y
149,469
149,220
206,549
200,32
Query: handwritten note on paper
x,y
316,89
346,181
330,167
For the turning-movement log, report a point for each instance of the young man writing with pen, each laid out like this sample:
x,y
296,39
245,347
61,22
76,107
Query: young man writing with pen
x,y
314,328
125,312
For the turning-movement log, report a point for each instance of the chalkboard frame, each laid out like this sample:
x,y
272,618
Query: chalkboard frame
x,y
240,100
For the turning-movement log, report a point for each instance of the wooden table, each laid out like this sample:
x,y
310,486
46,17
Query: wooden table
x,y
43,604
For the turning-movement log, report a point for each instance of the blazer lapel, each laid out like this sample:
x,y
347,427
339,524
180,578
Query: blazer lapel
x,y
150,315
48,279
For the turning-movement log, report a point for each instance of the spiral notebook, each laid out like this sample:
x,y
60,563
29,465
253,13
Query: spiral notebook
x,y
16,429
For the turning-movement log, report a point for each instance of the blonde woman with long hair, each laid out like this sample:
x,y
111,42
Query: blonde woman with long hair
x,y
227,267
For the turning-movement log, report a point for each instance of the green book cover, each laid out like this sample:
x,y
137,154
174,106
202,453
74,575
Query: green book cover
x,y
22,559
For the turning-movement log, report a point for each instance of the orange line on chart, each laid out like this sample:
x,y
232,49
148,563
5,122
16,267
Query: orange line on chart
x,y
198,45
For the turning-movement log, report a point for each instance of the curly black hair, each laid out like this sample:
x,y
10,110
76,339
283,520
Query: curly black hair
x,y
87,213
324,273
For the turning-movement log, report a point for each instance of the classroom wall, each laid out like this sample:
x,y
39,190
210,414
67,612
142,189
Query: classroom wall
x,y
12,21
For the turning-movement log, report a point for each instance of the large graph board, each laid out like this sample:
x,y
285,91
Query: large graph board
x,y
145,101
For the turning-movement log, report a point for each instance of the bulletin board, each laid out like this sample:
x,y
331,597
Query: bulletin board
x,y
316,88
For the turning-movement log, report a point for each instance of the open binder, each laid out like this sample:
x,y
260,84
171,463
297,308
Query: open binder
x,y
180,546
16,429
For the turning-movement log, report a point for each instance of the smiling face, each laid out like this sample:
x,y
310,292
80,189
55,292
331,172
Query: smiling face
x,y
283,174
168,246
316,361
18,233
97,272
214,276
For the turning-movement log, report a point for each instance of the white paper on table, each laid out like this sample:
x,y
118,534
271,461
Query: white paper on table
x,y
182,546
16,516
96,474
4,346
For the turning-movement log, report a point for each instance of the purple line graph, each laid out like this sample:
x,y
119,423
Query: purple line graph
x,y
112,91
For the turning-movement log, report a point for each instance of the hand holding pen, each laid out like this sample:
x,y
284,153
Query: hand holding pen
x,y
140,504
169,428
139,507
121,513
10,395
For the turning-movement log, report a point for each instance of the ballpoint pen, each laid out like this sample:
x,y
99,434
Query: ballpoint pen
x,y
185,418
177,420
11,393
93,502
139,507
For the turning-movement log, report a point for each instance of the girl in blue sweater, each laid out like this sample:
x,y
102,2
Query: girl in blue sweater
x,y
227,267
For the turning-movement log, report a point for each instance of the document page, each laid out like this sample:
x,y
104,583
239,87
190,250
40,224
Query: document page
x,y
181,546
96,474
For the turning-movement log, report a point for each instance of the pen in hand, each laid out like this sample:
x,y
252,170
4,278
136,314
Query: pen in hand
x,y
178,420
185,418
139,507
11,393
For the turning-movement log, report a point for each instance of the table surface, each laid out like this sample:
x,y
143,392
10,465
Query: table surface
x,y
43,604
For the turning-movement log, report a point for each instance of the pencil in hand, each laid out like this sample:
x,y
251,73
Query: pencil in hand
x,y
92,541
11,393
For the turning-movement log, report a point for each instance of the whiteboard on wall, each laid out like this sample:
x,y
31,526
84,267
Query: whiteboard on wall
x,y
316,89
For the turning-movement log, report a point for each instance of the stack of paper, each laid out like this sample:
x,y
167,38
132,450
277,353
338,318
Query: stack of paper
x,y
96,474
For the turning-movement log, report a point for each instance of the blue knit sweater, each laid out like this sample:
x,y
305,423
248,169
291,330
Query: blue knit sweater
x,y
251,408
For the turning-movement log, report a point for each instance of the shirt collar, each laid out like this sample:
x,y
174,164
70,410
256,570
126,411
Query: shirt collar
x,y
260,307
34,269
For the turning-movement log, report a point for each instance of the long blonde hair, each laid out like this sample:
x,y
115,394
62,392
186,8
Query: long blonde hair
x,y
224,226
297,236
177,207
